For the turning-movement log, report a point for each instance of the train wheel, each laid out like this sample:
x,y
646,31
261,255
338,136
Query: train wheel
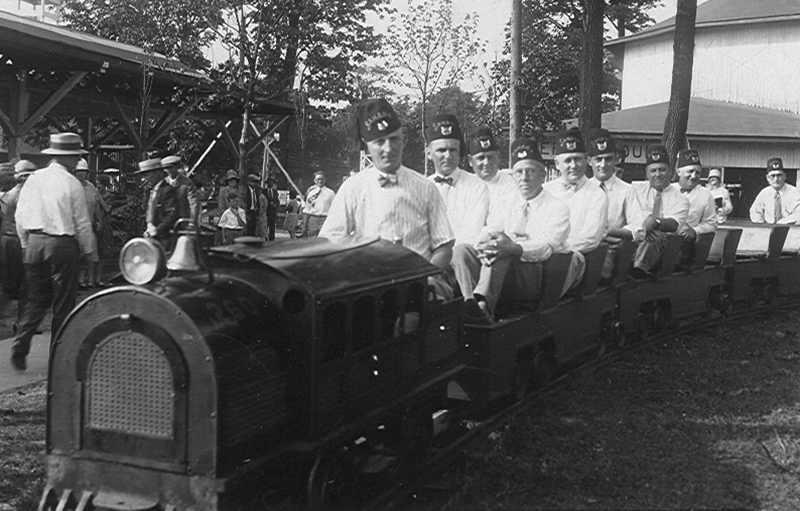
x,y
332,481
410,435
770,292
724,303
544,369
520,381
618,335
644,326
662,317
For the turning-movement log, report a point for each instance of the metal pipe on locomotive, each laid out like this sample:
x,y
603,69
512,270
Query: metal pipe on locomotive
x,y
310,370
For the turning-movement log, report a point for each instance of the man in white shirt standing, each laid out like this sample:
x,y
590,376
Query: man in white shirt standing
x,y
777,203
525,230
484,158
188,202
702,217
603,158
318,201
55,231
588,204
664,209
465,196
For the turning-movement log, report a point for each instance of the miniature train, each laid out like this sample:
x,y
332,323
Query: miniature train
x,y
310,370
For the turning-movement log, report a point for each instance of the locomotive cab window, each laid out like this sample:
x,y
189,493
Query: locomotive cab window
x,y
363,322
390,312
334,331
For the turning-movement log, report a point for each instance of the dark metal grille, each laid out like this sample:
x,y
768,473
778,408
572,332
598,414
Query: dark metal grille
x,y
130,387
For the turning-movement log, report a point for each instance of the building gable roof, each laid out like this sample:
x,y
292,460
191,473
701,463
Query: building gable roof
x,y
725,12
708,118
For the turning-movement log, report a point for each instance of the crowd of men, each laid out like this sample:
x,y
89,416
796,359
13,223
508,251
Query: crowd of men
x,y
489,230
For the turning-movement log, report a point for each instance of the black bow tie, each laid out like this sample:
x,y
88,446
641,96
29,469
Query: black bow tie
x,y
440,179
685,190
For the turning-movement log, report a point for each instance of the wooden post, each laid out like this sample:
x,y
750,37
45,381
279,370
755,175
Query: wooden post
x,y
515,115
18,113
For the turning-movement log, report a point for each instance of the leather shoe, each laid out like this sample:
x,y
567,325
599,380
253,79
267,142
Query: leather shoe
x,y
474,314
18,361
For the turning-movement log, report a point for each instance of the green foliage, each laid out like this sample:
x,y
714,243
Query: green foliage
x,y
179,29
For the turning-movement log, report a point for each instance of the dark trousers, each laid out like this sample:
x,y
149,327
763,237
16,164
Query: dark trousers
x,y
271,226
52,266
12,271
251,219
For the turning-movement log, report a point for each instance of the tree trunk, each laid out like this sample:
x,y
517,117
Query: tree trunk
x,y
422,129
516,114
591,84
674,137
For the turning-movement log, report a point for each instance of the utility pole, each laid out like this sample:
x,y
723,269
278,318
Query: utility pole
x,y
515,116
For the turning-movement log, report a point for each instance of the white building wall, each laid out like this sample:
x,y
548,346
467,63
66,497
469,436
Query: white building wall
x,y
756,65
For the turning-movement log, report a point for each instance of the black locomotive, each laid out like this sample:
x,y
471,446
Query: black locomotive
x,y
299,369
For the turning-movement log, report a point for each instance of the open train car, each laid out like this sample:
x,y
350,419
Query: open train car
x,y
217,390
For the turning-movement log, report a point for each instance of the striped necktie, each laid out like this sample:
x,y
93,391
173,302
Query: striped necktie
x,y
657,204
778,209
521,229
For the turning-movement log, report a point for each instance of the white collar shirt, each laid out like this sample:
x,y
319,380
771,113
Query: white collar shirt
x,y
588,212
410,211
702,216
53,201
502,188
540,225
763,208
616,190
318,200
673,205
466,199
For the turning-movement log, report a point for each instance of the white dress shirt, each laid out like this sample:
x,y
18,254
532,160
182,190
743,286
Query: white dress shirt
x,y
318,200
53,201
616,191
702,214
410,211
588,212
763,208
466,199
502,188
673,205
541,230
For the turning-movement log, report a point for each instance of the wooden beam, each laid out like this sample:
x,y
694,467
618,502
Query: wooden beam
x,y
127,125
55,122
266,133
226,137
161,120
5,122
177,116
52,101
102,139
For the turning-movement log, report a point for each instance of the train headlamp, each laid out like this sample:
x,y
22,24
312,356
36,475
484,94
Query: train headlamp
x,y
142,261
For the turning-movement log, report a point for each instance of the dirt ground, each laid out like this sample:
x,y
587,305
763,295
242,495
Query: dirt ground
x,y
701,421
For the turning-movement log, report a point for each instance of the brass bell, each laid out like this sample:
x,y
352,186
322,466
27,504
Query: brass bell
x,y
185,256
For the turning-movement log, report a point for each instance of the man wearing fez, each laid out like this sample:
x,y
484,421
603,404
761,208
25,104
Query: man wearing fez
x,y
588,205
162,202
521,232
465,196
188,202
701,217
603,158
484,158
55,231
388,199
777,203
664,208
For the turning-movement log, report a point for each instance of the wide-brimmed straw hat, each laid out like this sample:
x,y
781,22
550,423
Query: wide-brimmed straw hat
x,y
149,165
67,144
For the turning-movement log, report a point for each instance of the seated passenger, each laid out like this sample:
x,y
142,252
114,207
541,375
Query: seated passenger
x,y
603,157
588,204
777,203
530,227
484,157
721,195
702,215
663,207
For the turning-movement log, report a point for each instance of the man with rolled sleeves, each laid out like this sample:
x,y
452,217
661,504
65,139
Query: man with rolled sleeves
x,y
521,232
777,203
588,204
701,217
162,202
318,200
55,231
188,202
389,200
664,208
465,196
603,158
